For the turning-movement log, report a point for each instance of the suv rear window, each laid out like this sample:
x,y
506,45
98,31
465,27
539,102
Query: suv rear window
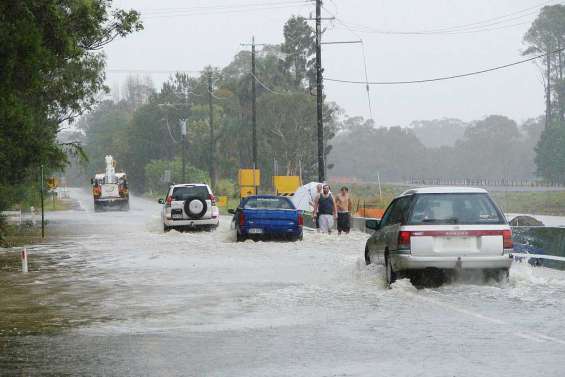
x,y
454,209
185,192
268,203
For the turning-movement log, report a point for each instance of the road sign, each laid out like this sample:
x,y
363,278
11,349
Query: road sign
x,y
247,178
247,191
286,185
52,183
222,201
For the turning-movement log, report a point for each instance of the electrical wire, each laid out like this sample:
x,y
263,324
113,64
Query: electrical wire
x,y
490,24
201,11
267,88
367,87
443,78
221,6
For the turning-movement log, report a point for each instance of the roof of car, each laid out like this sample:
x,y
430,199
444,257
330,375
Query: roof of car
x,y
266,196
444,190
189,184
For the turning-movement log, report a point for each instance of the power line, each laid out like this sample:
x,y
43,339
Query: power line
x,y
443,78
222,6
158,71
199,11
267,88
489,24
367,87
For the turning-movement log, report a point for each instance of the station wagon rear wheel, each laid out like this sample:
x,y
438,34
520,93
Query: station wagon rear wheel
x,y
390,274
367,257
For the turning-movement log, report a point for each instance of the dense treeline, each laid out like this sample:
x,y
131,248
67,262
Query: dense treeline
x,y
491,148
51,71
142,129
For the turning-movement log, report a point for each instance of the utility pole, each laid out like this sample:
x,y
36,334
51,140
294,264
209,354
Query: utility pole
x,y
183,147
212,170
42,205
548,89
319,93
253,107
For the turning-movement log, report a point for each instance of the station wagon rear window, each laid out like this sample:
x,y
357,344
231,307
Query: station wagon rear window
x,y
268,203
185,192
464,208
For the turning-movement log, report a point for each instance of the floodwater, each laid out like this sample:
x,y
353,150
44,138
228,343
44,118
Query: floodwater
x,y
115,296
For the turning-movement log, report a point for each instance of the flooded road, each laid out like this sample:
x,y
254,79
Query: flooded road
x,y
115,296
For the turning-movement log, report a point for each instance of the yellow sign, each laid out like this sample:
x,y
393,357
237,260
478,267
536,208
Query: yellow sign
x,y
247,178
52,183
286,184
222,201
247,191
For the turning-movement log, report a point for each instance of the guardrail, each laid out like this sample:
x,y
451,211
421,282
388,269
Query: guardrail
x,y
12,216
19,217
484,182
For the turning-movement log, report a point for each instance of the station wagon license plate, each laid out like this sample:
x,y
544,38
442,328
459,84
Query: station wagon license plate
x,y
255,231
177,216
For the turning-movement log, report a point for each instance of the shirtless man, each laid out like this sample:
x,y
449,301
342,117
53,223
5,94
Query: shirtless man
x,y
343,204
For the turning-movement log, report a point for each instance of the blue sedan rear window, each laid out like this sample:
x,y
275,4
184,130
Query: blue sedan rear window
x,y
268,203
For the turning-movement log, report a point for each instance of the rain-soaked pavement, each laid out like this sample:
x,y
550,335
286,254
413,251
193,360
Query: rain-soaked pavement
x,y
115,296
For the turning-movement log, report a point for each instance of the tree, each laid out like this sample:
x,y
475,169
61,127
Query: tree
x,y
550,153
547,36
299,47
51,71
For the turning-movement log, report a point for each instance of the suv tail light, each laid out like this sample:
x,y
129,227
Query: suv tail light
x,y
300,219
404,240
212,199
507,239
169,200
241,219
96,191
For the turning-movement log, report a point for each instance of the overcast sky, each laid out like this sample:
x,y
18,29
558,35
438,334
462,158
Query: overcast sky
x,y
179,41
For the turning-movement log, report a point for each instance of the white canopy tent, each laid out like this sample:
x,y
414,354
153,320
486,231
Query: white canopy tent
x,y
304,196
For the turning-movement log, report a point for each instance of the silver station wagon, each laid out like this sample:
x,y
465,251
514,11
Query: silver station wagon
x,y
429,234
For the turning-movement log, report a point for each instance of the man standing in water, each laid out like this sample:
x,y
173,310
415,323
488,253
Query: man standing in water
x,y
313,201
325,210
343,203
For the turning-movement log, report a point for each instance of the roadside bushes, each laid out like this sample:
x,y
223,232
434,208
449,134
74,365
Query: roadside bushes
x,y
156,179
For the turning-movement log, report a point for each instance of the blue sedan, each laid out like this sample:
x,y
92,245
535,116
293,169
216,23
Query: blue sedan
x,y
267,216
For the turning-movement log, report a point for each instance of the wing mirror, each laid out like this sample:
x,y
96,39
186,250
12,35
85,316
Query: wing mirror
x,y
161,201
91,181
231,211
372,224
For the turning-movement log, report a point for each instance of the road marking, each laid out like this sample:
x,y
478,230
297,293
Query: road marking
x,y
539,338
539,256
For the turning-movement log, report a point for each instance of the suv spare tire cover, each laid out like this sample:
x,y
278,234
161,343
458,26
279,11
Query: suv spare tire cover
x,y
195,207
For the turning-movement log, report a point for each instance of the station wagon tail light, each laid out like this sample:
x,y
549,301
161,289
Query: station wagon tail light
x,y
169,200
241,219
300,220
404,240
507,239
212,199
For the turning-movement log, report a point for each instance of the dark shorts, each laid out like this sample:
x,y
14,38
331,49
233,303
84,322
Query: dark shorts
x,y
343,222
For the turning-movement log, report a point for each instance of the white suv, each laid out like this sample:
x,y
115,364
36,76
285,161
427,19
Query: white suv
x,y
190,205
437,231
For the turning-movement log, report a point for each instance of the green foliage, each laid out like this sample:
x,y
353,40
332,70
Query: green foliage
x,y
226,187
550,158
155,174
50,72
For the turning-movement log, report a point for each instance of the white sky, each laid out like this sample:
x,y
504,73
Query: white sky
x,y
190,42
